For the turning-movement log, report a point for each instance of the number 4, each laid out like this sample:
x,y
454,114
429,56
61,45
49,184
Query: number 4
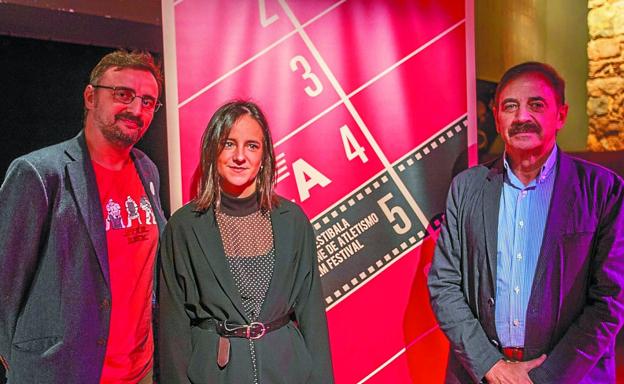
x,y
352,148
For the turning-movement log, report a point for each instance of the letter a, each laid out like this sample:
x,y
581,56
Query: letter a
x,y
307,177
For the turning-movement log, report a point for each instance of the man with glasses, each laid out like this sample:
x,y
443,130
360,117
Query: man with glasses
x,y
76,283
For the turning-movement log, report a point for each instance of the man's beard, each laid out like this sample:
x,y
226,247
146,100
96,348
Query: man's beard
x,y
121,137
524,127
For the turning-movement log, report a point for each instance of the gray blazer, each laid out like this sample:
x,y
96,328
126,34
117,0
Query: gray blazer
x,y
54,275
577,300
196,285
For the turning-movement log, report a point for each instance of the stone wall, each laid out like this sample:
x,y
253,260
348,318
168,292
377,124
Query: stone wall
x,y
605,84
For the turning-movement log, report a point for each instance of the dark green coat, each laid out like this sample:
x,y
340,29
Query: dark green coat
x,y
196,284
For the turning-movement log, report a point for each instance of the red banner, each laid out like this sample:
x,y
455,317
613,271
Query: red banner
x,y
368,105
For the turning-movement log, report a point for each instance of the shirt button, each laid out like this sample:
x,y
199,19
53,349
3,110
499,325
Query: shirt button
x,y
521,223
517,290
516,322
524,193
490,301
519,256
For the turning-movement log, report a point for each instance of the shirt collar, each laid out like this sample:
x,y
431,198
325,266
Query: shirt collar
x,y
549,166
545,172
235,206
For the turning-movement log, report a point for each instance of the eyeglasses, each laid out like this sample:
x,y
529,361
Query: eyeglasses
x,y
127,95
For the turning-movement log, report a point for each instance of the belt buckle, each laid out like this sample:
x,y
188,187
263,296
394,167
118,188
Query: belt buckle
x,y
513,354
262,330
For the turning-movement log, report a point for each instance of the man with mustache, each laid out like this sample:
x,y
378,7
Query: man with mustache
x,y
76,283
527,280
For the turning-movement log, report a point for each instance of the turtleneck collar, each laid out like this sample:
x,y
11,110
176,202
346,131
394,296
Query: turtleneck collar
x,y
235,206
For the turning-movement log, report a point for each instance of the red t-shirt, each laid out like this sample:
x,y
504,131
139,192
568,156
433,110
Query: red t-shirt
x,y
132,238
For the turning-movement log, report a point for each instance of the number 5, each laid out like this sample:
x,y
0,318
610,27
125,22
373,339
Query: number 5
x,y
394,213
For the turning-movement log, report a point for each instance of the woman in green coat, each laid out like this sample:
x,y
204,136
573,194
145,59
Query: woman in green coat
x,y
240,295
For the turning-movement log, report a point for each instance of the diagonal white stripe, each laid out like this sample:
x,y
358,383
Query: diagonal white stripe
x,y
367,84
396,355
255,57
404,59
356,116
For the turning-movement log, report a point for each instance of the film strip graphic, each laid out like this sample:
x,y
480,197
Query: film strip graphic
x,y
372,227
427,148
388,215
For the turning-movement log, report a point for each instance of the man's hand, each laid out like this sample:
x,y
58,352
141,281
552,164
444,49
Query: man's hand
x,y
505,372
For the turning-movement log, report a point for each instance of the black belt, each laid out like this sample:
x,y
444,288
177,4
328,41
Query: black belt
x,y
254,330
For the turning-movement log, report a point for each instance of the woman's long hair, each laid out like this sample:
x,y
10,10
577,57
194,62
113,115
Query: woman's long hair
x,y
212,142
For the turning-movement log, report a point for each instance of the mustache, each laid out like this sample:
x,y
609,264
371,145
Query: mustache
x,y
130,117
524,127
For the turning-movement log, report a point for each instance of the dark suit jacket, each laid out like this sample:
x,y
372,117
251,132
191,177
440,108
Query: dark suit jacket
x,y
54,272
576,305
196,285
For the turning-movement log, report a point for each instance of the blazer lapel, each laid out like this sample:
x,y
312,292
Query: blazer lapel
x,y
563,197
491,206
87,196
283,236
149,185
209,239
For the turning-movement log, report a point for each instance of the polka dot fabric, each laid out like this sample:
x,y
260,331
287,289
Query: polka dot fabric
x,y
245,236
248,244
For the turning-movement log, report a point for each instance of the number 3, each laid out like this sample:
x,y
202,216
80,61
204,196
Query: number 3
x,y
307,74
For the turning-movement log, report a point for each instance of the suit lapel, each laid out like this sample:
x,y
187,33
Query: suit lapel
x,y
282,239
85,192
209,239
149,186
491,206
563,197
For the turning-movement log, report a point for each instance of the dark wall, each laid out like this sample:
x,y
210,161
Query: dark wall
x,y
41,100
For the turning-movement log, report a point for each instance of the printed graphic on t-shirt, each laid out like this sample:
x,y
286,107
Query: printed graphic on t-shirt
x,y
113,219
147,207
134,226
133,211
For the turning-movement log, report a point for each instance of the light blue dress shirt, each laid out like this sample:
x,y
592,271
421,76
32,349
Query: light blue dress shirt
x,y
521,223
